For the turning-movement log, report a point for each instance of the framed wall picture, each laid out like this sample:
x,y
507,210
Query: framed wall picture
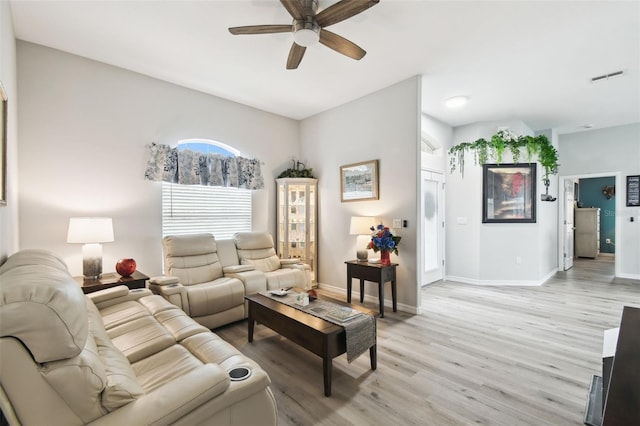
x,y
3,145
359,181
509,193
633,191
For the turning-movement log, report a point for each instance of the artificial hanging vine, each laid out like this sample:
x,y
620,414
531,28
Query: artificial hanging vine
x,y
496,146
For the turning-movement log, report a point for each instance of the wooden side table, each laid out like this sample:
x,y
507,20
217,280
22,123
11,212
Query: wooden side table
x,y
373,272
136,280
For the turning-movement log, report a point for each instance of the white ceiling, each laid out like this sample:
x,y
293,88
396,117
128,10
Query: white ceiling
x,y
527,60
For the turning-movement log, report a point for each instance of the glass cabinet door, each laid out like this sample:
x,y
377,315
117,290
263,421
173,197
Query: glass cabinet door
x,y
297,200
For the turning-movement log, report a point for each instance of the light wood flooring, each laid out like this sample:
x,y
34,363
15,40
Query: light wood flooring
x,y
476,355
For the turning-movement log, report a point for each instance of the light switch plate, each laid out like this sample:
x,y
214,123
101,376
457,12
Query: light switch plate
x,y
397,223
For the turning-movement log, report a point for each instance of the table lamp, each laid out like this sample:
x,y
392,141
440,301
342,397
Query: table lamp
x,y
361,226
91,231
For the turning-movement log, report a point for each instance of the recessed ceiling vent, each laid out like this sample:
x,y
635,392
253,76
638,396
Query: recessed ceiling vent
x,y
607,76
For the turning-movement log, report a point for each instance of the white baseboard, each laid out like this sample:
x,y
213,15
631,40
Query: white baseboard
x,y
520,283
629,276
355,295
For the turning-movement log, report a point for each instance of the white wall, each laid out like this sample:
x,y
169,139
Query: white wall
x,y
441,133
463,214
610,150
548,217
488,253
83,130
384,125
9,214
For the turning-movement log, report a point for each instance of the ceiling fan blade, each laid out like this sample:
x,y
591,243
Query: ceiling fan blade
x,y
341,45
342,10
294,7
260,29
295,56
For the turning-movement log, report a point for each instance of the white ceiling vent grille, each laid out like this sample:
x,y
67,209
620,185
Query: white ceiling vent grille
x,y
607,76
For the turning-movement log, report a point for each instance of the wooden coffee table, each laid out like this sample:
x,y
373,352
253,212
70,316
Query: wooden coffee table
x,y
323,338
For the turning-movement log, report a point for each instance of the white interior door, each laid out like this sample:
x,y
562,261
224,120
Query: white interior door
x,y
569,227
432,216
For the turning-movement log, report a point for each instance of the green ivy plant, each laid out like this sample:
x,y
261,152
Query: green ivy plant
x,y
495,147
295,171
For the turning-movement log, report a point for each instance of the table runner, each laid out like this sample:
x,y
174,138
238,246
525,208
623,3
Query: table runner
x,y
360,332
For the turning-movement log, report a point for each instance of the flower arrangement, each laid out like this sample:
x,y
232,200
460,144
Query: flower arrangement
x,y
383,240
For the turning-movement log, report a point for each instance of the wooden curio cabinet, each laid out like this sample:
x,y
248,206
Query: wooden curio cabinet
x,y
298,221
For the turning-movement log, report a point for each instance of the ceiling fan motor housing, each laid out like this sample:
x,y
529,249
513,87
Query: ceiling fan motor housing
x,y
306,32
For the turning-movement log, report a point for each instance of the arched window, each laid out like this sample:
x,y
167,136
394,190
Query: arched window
x,y
193,209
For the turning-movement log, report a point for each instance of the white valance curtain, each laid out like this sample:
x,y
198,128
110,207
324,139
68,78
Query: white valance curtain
x,y
188,167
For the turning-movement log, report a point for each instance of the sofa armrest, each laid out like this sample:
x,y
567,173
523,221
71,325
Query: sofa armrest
x,y
109,293
252,280
234,269
173,400
175,293
299,265
286,262
163,280
114,295
305,269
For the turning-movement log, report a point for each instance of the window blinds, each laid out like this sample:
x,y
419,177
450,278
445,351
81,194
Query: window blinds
x,y
193,209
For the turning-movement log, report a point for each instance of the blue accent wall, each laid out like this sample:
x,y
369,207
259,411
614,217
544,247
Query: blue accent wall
x,y
591,196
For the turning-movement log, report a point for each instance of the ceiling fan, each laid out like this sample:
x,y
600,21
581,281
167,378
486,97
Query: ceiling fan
x,y
309,28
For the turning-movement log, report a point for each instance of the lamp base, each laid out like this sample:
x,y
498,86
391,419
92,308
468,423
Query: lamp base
x,y
362,255
92,261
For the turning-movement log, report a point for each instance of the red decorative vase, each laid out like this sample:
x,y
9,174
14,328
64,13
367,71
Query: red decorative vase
x,y
384,257
126,267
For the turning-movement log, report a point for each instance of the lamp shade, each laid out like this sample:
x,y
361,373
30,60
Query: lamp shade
x,y
361,225
90,230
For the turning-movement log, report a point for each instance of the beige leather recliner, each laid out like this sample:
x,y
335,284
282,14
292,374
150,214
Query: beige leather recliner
x,y
198,285
256,249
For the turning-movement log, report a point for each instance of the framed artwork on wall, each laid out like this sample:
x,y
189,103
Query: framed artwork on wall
x,y
359,181
3,145
633,191
509,193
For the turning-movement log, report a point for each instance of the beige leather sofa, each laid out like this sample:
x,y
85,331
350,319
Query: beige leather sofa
x,y
208,278
114,357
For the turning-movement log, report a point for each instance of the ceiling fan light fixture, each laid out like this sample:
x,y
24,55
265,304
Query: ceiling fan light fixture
x,y
306,34
456,101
